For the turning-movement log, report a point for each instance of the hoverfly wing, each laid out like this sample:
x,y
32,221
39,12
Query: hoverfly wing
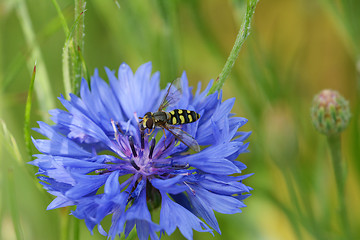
x,y
183,137
173,94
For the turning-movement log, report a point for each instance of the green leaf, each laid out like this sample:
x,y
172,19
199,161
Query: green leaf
x,y
132,235
83,65
66,69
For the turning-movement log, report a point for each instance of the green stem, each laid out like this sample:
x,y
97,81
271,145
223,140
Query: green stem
x,y
240,39
334,142
78,71
76,228
64,224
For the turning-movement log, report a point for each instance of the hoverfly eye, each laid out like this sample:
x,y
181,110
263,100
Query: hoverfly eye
x,y
149,123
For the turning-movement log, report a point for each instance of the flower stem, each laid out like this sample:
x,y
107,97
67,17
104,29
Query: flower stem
x,y
76,229
64,224
334,142
243,33
79,35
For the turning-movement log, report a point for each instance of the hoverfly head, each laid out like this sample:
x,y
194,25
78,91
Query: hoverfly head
x,y
148,121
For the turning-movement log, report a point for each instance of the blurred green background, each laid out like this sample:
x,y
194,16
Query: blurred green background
x,y
296,48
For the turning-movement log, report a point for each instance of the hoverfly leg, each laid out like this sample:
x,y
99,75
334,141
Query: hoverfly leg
x,y
164,133
163,129
150,132
167,146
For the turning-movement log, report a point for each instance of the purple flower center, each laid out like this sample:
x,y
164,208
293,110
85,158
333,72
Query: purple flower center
x,y
143,157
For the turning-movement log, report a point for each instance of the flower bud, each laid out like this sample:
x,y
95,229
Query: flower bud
x,y
330,112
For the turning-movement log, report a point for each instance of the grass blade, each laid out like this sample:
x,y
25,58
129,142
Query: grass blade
x,y
65,53
42,87
28,141
341,14
9,142
11,146
168,38
62,18
14,68
13,205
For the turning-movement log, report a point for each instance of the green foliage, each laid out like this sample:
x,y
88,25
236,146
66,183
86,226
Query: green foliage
x,y
296,48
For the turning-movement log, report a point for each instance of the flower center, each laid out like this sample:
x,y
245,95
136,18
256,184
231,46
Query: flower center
x,y
144,156
141,161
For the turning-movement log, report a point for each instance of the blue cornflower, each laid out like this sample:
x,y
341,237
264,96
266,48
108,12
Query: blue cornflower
x,y
97,158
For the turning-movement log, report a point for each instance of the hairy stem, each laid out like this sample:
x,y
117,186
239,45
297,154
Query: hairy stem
x,y
243,33
334,142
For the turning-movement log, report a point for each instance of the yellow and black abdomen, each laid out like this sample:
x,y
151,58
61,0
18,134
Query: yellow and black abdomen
x,y
182,116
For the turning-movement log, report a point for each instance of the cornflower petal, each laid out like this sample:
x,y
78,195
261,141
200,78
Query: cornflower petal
x,y
96,157
173,215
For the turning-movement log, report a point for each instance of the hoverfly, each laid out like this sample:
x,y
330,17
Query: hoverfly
x,y
168,120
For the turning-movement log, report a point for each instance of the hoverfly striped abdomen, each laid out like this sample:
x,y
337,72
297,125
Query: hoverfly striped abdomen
x,y
182,116
167,120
